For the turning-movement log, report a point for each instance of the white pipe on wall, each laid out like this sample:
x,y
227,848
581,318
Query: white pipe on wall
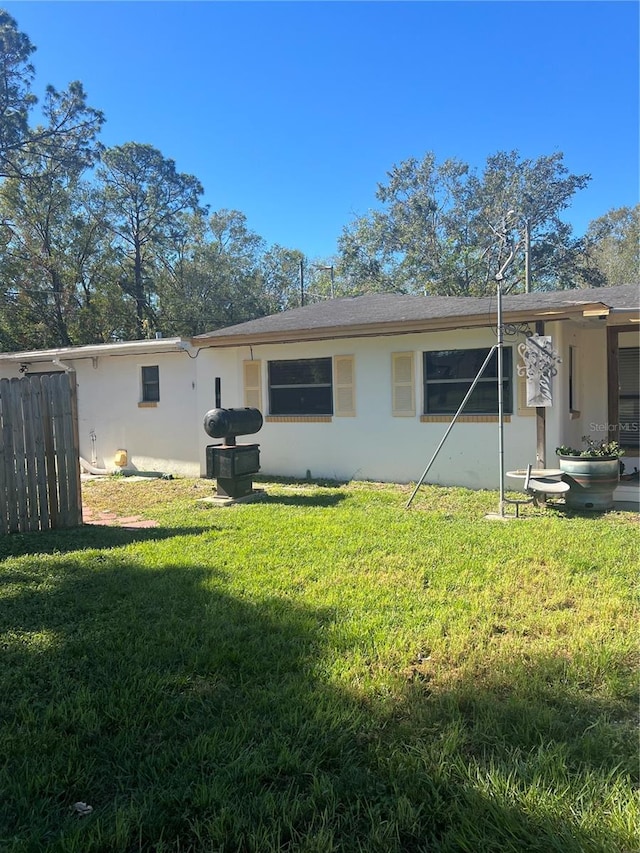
x,y
91,469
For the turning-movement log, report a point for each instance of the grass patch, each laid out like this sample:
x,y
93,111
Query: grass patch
x,y
320,671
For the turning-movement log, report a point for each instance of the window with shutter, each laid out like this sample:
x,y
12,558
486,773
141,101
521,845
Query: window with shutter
x,y
301,386
448,375
344,386
252,384
402,381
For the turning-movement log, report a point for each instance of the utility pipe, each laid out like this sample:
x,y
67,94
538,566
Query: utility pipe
x,y
91,469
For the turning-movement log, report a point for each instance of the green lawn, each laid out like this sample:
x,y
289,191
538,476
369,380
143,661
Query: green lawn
x,y
320,671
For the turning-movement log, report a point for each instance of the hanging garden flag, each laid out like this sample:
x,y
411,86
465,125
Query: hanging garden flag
x,y
539,367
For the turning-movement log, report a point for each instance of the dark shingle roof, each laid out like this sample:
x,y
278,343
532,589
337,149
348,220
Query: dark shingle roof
x,y
392,310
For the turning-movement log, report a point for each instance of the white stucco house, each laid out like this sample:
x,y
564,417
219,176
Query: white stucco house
x,y
135,397
364,387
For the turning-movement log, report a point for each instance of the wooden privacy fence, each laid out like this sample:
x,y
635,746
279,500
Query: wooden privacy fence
x,y
39,454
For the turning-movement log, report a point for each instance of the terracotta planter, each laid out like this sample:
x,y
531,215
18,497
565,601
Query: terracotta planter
x,y
592,481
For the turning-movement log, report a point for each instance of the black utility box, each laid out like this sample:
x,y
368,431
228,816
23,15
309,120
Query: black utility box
x,y
223,461
233,467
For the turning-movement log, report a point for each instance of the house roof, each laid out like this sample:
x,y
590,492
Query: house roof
x,y
62,354
372,314
385,314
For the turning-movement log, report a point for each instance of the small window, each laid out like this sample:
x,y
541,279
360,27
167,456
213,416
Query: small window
x,y
448,375
301,387
150,384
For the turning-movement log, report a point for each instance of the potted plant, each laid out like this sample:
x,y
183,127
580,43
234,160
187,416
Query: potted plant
x,y
592,472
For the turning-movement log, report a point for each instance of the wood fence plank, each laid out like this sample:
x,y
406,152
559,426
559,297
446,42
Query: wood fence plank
x,y
66,452
62,413
75,479
39,454
30,499
16,429
57,419
62,440
49,451
11,492
5,482
54,415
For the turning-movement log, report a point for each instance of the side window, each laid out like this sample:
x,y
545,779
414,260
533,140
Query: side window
x,y
448,375
301,387
151,384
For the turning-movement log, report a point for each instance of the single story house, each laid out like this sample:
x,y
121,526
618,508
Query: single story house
x,y
365,387
137,401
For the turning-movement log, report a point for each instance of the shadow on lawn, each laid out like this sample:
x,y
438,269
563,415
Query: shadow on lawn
x,y
302,500
86,536
193,720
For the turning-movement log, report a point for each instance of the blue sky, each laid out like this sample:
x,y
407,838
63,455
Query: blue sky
x,y
293,112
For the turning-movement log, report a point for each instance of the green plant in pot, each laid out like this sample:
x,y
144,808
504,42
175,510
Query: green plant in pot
x,y
592,472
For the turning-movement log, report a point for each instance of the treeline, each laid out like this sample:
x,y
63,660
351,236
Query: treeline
x,y
103,244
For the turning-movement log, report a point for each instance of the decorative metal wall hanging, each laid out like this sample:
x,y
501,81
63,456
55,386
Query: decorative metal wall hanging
x,y
539,361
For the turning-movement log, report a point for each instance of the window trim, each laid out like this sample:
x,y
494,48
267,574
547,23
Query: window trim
x,y
507,381
298,419
145,398
329,385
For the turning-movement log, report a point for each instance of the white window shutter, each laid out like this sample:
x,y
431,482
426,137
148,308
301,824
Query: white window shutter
x,y
629,400
402,381
344,391
252,371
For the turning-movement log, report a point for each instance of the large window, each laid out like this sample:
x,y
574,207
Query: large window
x,y
301,387
150,384
448,375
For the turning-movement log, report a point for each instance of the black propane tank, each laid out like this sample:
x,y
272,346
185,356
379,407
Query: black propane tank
x,y
228,423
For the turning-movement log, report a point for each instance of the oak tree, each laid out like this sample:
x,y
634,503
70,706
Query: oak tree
x,y
446,228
